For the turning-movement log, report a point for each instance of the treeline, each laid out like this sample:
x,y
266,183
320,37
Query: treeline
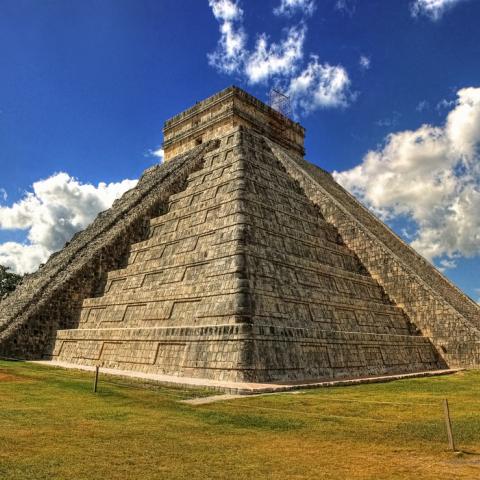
x,y
8,281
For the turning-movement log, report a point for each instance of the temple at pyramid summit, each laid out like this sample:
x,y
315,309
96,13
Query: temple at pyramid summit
x,y
238,260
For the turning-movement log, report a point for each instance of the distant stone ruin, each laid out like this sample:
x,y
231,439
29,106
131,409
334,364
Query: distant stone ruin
x,y
238,260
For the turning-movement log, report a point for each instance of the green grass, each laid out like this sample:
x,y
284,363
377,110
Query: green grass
x,y
53,427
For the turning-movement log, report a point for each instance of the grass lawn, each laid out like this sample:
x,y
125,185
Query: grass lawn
x,y
53,427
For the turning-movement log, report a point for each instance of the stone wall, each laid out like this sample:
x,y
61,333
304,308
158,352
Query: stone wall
x,y
238,260
51,298
230,108
439,309
243,279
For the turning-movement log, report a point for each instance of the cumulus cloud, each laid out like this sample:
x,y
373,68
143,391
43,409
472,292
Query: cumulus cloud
x,y
320,86
290,7
58,207
230,49
430,176
280,63
22,258
277,58
434,9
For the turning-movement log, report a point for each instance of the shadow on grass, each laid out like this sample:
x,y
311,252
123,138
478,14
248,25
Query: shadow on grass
x,y
244,421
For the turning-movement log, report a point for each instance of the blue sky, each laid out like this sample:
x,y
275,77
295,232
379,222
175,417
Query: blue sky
x,y
388,91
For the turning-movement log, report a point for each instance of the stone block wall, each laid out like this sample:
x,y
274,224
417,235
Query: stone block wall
x,y
243,279
51,298
178,306
439,309
214,117
238,260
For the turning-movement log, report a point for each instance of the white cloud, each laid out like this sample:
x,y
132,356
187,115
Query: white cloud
x,y
22,258
279,64
289,7
58,207
275,59
320,86
230,51
447,264
158,153
434,9
364,62
430,176
445,104
3,194
226,10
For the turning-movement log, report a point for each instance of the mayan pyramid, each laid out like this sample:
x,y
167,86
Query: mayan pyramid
x,y
238,260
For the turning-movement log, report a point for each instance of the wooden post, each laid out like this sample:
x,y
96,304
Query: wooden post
x,y
96,379
448,424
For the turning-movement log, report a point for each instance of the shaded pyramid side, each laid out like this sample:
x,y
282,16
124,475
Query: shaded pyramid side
x,y
179,307
243,279
51,298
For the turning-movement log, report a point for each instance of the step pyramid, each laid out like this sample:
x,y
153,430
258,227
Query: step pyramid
x,y
243,279
238,260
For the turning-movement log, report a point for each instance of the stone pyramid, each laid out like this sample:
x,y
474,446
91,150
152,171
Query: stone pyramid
x,y
238,260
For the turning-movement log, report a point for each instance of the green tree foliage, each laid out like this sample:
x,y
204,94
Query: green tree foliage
x,y
8,281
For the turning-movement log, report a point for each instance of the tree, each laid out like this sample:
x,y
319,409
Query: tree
x,y
8,281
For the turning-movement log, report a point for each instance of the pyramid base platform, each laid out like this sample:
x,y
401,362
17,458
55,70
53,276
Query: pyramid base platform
x,y
245,353
239,388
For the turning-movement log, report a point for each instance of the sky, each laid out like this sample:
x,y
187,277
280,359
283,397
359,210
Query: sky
x,y
388,91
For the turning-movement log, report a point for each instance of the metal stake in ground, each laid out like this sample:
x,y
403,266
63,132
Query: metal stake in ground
x,y
96,379
448,424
